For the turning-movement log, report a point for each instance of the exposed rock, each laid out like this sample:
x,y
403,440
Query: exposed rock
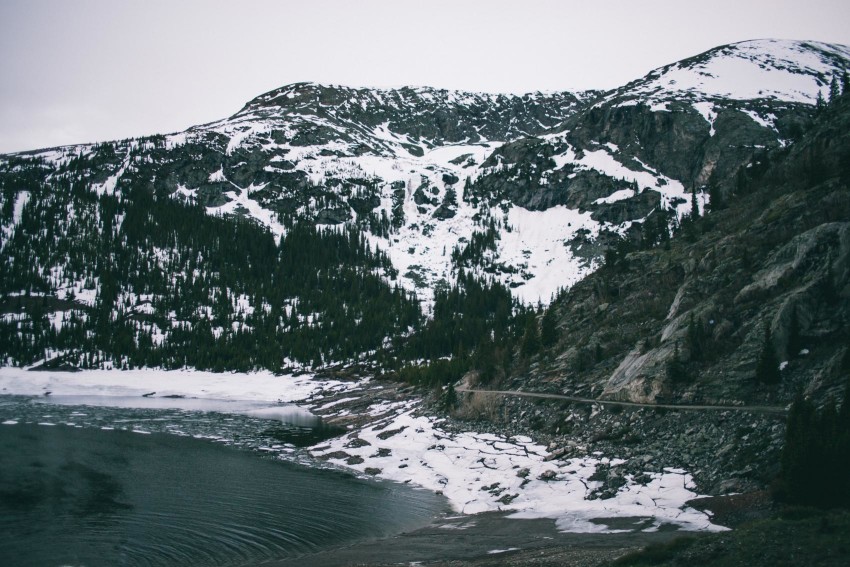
x,y
332,216
420,198
444,212
547,475
356,443
450,178
384,435
619,212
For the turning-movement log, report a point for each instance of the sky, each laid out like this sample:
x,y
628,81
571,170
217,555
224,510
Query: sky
x,y
75,71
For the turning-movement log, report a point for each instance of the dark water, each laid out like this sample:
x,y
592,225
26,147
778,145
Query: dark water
x,y
71,496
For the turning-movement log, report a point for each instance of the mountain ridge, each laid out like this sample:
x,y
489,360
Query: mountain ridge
x,y
527,192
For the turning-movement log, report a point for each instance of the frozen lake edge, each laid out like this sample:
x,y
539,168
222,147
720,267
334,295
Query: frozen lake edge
x,y
392,437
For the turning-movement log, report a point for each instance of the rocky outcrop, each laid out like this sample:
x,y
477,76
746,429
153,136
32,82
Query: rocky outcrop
x,y
422,113
686,322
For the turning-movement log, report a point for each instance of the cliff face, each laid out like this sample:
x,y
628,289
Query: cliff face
x,y
747,305
689,320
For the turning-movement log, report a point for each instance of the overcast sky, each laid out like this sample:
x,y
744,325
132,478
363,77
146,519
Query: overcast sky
x,y
94,70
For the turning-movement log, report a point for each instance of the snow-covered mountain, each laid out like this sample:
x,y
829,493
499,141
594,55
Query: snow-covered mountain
x,y
529,189
780,70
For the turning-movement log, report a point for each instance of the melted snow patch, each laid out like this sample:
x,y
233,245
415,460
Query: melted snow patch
x,y
620,195
108,186
21,201
537,245
217,176
764,122
241,203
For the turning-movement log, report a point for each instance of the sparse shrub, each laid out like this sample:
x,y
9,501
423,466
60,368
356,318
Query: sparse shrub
x,y
449,398
479,406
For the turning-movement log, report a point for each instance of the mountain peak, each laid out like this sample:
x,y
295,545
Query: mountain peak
x,y
774,69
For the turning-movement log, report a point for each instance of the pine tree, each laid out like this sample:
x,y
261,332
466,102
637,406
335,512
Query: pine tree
x,y
675,368
834,91
694,205
531,338
695,338
816,455
797,452
715,198
548,328
845,362
820,104
767,370
449,398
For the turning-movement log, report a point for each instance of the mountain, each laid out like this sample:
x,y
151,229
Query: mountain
x,y
689,126
687,319
693,347
319,222
767,70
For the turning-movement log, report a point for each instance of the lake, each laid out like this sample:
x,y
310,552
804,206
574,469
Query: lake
x,y
88,496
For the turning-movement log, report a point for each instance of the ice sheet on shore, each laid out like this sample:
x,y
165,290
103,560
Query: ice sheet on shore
x,y
259,386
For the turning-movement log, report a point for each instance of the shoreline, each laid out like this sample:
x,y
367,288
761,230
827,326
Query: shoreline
x,y
487,538
389,434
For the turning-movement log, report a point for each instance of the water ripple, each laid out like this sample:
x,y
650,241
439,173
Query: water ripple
x,y
82,496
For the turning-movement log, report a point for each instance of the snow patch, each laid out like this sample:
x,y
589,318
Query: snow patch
x,y
108,186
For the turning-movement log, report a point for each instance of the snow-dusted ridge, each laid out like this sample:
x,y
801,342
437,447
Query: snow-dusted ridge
x,y
783,70
420,249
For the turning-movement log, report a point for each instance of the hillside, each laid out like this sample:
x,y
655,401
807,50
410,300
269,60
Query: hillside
x,y
324,225
684,320
747,306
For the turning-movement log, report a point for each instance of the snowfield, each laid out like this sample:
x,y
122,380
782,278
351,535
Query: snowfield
x,y
476,472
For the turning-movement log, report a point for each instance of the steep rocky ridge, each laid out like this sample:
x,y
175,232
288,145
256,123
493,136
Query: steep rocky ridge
x,y
684,323
424,115
695,122
779,258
